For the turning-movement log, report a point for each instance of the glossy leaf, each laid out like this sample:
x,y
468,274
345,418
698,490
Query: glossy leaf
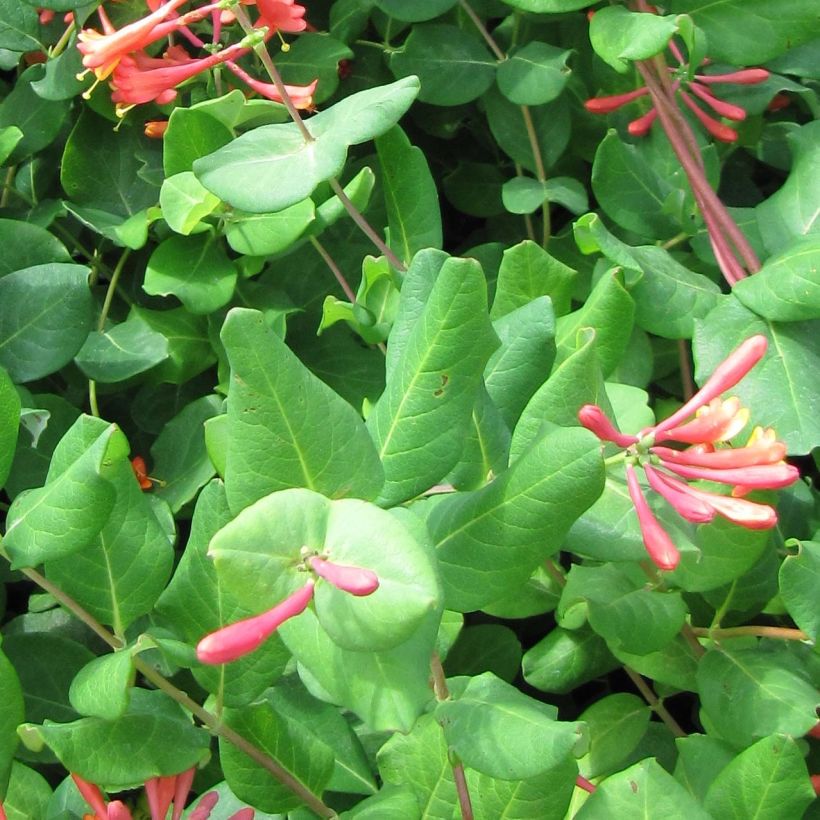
x,y
100,688
501,732
318,442
798,585
184,202
264,234
619,35
26,245
410,194
616,725
534,74
9,424
272,167
544,491
431,390
45,315
11,715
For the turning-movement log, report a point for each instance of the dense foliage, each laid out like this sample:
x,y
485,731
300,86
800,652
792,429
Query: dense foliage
x,y
409,408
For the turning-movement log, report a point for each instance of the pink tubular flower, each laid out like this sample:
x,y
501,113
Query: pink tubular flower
x,y
641,126
102,52
281,15
757,466
355,580
139,78
594,419
239,639
117,810
160,793
205,806
659,546
606,105
300,95
91,794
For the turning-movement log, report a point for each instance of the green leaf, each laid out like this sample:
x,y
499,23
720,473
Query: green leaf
x,y
189,351
10,136
616,725
120,572
181,461
475,188
481,557
45,315
619,35
516,370
413,213
701,758
799,575
184,202
534,74
28,793
257,559
566,659
314,56
100,688
46,665
630,190
67,513
103,751
485,648
769,779
272,167
546,796
453,66
391,803
388,690
267,234
610,310
100,168
420,760
39,119
767,31
787,288
26,244
751,693
546,6
19,26
780,390
501,732
122,351
351,769
508,125
11,715
195,269
432,386
275,442
523,195
642,790
527,271
791,213
9,424
306,758
576,381
192,133
419,11
195,603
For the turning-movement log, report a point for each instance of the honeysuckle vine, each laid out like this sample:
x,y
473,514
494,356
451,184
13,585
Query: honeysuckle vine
x,y
527,522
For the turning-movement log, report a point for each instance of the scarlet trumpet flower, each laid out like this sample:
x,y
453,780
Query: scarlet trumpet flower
x,y
758,465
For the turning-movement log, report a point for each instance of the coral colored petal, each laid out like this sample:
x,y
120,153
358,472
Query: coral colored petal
x,y
760,477
160,793
686,504
205,806
641,126
91,794
727,374
593,418
241,638
242,814
659,546
748,76
717,129
606,105
117,810
181,789
722,459
725,109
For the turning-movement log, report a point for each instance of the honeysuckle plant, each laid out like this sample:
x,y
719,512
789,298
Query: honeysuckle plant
x,y
409,409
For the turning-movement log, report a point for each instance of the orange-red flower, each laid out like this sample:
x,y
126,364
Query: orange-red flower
x,y
758,465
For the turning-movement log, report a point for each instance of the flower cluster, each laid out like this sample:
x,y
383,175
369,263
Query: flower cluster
x,y
136,77
700,86
758,465
233,642
161,793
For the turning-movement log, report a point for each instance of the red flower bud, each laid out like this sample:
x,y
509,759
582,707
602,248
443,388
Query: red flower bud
x,y
717,129
731,112
640,127
117,810
91,794
205,806
662,551
239,639
605,105
356,581
747,76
